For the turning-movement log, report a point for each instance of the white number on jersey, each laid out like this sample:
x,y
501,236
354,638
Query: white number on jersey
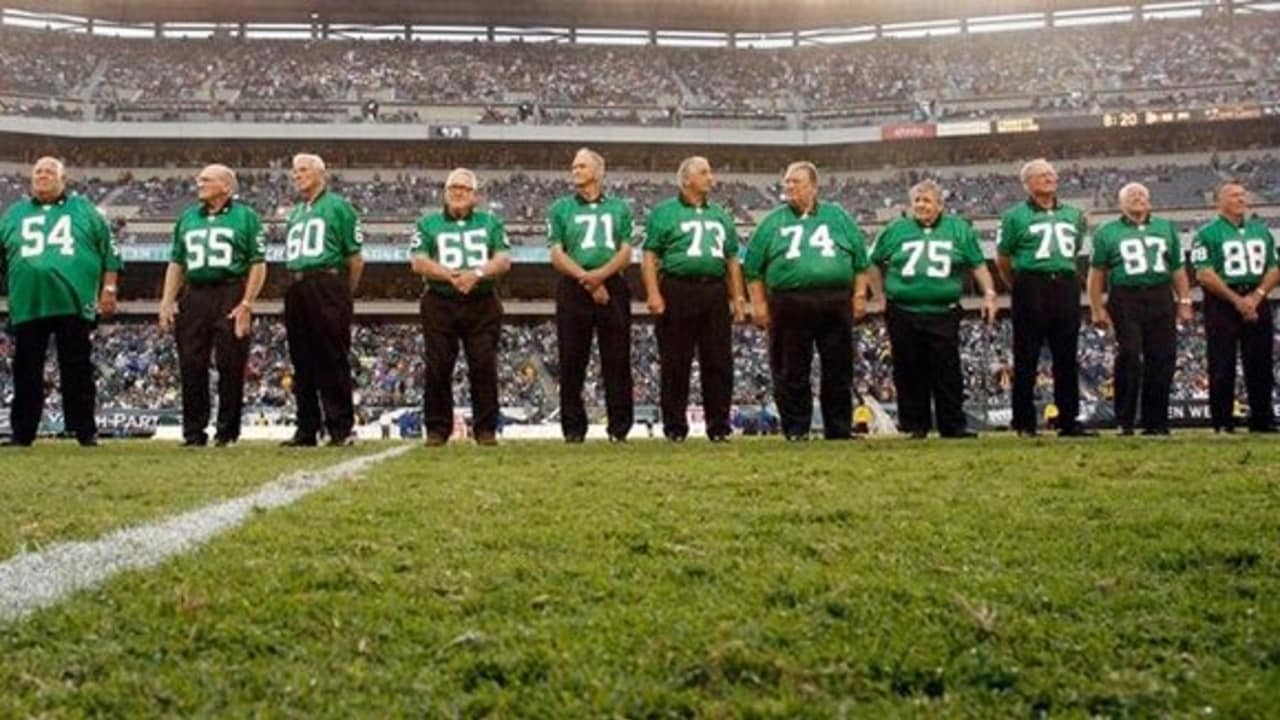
x,y
938,252
1241,258
1135,252
698,228
1063,233
593,222
34,240
458,250
820,238
305,240
208,247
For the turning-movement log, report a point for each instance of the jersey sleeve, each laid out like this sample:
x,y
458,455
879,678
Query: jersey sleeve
x,y
1175,260
1202,251
256,242
497,236
178,249
352,238
1271,245
555,226
421,236
880,250
857,244
754,260
1101,256
1007,235
654,241
624,225
112,261
731,237
969,246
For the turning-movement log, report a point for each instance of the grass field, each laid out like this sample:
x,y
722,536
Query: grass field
x,y
998,578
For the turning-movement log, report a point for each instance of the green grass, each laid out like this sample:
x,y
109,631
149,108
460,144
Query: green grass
x,y
997,578
56,491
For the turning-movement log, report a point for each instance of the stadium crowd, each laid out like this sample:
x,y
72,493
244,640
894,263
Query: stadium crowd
x,y
137,367
1074,68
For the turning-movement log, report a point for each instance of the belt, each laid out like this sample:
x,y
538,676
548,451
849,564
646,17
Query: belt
x,y
1244,288
304,274
217,283
1059,275
697,279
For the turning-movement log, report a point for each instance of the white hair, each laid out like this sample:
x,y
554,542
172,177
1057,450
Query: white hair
x,y
596,157
309,159
57,165
232,182
462,172
1036,167
686,168
1130,189
925,186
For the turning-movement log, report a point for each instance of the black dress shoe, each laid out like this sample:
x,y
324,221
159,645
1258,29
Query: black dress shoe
x,y
1025,433
797,438
1127,432
1077,431
962,435
1155,432
575,439
195,441
676,438
299,441
12,442
918,434
617,439
344,441
719,438
90,441
224,442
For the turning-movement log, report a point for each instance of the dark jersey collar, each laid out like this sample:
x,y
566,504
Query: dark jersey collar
x,y
932,226
705,203
312,202
1127,221
583,201
1243,221
817,206
444,212
57,201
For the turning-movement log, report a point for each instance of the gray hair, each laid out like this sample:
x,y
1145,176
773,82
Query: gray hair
x,y
230,175
925,186
463,172
1036,167
596,157
686,168
1217,191
309,159
805,165
57,165
1130,189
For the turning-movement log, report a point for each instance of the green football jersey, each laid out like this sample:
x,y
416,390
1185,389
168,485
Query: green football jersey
x,y
924,265
55,254
219,246
691,240
589,232
819,250
460,244
322,234
1137,254
1039,240
1239,254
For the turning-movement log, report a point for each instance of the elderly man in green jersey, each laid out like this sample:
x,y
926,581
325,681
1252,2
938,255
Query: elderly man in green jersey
x,y
61,264
806,270
323,256
1036,255
589,234
460,252
1140,256
691,277
1235,261
218,253
918,265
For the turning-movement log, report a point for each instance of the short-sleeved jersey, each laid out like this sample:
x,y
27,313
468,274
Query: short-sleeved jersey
x,y
806,251
219,246
1137,254
1239,254
1040,240
460,244
55,254
590,232
691,240
924,265
322,233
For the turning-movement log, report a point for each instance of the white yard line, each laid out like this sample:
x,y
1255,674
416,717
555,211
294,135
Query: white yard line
x,y
35,580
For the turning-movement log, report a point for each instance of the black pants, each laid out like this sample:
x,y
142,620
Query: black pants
x,y
926,363
475,323
578,318
1224,330
801,320
317,321
75,376
1046,307
203,328
696,320
1146,336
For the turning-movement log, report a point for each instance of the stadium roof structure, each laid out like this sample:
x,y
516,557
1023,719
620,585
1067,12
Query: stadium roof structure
x,y
749,16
